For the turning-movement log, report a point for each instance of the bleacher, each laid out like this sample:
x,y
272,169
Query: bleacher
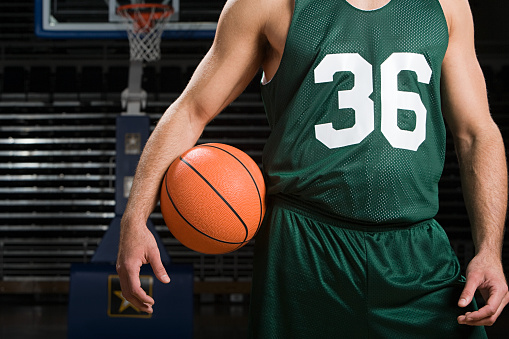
x,y
57,179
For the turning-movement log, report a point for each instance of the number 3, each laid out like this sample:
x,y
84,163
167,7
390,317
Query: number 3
x,y
391,99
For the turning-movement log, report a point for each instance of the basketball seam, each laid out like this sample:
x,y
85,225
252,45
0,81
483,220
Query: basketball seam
x,y
189,223
254,182
252,178
220,196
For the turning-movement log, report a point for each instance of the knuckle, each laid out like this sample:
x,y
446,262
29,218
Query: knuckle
x,y
475,275
126,268
490,311
131,291
490,321
159,269
127,294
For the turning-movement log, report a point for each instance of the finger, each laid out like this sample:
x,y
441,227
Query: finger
x,y
488,321
157,266
131,290
493,303
483,313
473,281
136,291
484,322
476,319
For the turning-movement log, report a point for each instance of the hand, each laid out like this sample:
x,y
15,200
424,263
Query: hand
x,y
137,247
487,276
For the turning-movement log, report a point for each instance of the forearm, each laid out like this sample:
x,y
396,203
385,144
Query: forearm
x,y
484,181
177,131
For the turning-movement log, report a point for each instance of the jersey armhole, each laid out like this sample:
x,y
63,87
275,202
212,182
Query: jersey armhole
x,y
265,81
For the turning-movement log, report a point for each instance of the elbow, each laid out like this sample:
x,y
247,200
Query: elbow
x,y
196,115
202,114
481,137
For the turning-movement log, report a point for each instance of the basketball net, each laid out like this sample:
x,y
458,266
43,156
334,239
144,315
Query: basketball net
x,y
145,25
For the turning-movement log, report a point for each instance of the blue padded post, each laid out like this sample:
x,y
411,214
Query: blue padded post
x,y
132,135
98,310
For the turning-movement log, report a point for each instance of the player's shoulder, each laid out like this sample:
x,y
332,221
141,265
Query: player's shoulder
x,y
268,9
263,6
277,14
257,10
456,12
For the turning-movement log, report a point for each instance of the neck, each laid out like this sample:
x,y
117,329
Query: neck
x,y
368,5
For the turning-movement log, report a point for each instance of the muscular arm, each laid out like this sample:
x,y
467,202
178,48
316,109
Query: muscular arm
x,y
481,155
233,60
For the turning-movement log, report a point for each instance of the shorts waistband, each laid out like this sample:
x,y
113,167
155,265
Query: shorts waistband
x,y
333,220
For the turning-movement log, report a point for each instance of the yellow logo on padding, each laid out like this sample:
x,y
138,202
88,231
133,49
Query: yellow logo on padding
x,y
118,306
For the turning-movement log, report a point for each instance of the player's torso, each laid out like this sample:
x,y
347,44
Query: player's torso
x,y
354,109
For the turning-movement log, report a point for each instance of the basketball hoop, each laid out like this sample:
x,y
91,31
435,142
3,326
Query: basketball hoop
x,y
145,25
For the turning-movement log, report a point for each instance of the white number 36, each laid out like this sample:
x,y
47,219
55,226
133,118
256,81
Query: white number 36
x,y
391,99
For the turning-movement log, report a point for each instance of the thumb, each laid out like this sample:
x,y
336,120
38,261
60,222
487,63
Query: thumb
x,y
473,282
157,267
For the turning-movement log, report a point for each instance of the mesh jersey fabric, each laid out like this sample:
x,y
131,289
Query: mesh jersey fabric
x,y
369,83
317,277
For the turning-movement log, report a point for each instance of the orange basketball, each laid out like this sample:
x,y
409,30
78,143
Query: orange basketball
x,y
213,198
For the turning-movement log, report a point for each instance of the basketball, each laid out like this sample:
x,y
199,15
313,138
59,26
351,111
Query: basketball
x,y
213,198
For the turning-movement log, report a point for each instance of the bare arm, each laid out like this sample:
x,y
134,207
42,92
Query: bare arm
x,y
481,155
226,70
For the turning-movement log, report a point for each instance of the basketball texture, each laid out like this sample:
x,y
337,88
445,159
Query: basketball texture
x,y
213,198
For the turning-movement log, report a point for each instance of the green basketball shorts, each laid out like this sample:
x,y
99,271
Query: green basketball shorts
x,y
317,277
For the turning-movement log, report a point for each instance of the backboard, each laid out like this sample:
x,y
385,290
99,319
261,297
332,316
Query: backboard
x,y
97,19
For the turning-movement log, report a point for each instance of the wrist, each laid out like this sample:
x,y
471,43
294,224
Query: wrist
x,y
131,219
489,255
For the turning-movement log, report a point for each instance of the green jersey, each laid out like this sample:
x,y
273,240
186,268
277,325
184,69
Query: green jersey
x,y
354,109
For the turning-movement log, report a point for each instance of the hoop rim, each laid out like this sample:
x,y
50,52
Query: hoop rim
x,y
124,10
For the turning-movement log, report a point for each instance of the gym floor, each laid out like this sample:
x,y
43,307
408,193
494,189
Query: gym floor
x,y
42,317
45,317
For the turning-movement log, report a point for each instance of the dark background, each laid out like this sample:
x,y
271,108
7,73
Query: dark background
x,y
58,103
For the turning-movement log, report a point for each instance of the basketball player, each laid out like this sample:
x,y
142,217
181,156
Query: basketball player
x,y
354,92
